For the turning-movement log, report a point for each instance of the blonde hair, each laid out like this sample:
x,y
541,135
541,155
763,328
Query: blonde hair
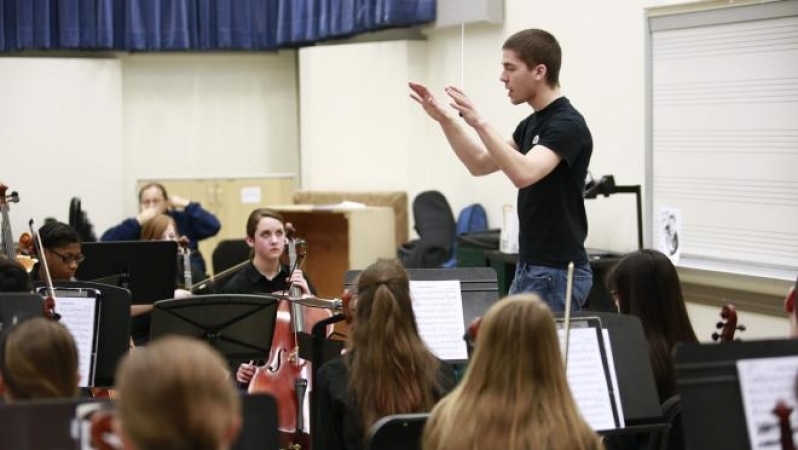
x,y
391,370
39,360
153,229
514,394
176,393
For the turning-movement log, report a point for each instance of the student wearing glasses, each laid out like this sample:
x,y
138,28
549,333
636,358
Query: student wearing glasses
x,y
62,252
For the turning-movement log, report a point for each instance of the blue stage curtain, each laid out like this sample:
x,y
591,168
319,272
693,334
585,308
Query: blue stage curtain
x,y
197,25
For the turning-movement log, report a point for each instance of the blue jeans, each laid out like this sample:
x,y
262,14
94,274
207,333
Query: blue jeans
x,y
550,284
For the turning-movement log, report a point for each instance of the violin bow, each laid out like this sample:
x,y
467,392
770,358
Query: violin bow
x,y
567,324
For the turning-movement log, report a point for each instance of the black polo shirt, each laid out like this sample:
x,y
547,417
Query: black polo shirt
x,y
250,281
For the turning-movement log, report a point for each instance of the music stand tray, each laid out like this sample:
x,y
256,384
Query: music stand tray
x,y
239,326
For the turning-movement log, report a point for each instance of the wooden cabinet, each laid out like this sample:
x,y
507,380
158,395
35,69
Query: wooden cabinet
x,y
340,239
230,199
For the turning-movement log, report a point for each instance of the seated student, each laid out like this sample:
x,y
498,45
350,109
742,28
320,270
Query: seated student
x,y
514,394
192,220
38,360
387,368
188,404
13,277
162,228
62,252
265,273
645,284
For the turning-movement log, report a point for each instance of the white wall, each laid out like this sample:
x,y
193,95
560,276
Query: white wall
x,y
758,326
61,136
206,115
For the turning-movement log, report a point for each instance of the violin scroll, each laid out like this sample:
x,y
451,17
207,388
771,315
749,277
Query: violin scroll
x,y
728,324
782,411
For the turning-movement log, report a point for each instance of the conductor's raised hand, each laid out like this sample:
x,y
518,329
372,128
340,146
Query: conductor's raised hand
x,y
178,202
464,106
422,95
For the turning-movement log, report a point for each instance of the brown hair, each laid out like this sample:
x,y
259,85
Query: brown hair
x,y
533,47
254,219
391,370
153,229
154,185
647,286
176,393
39,360
514,393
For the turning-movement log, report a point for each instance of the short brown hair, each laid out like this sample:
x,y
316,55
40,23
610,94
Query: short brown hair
x,y
533,47
176,393
154,185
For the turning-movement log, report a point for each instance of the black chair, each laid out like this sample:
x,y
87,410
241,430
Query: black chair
x,y
259,430
673,438
397,432
436,228
227,254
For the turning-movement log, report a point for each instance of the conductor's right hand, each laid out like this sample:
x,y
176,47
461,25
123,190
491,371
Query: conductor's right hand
x,y
422,95
245,373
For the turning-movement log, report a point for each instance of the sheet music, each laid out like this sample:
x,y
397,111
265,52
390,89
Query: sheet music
x,y
78,316
587,379
438,306
763,382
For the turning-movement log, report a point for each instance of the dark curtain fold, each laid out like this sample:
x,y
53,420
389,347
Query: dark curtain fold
x,y
197,25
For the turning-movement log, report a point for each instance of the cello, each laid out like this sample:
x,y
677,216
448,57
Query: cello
x,y
285,375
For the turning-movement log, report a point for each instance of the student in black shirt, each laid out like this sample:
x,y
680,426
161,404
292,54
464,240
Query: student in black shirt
x,y
265,274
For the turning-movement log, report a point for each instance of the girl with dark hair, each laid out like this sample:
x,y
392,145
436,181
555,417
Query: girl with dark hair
x,y
645,284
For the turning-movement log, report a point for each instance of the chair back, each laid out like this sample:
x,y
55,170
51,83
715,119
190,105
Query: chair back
x,y
397,432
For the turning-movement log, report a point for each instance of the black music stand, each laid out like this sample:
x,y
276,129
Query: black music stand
x,y
18,306
707,380
147,268
113,339
239,326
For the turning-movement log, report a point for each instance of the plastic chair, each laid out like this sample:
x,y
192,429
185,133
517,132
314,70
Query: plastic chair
x,y
435,225
397,432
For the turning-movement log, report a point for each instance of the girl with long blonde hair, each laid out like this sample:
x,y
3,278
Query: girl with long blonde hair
x,y
514,394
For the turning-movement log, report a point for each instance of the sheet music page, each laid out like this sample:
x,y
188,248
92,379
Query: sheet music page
x,y
615,391
438,306
77,315
587,379
763,382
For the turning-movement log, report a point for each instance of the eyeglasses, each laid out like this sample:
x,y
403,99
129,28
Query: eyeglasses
x,y
68,259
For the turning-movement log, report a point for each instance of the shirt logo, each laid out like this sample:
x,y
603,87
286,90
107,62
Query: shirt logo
x,y
535,139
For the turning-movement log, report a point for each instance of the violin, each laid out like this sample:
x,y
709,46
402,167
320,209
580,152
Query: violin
x,y
782,411
728,324
285,375
7,236
185,255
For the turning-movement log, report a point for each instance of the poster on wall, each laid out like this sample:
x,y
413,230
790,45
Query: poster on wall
x,y
669,227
